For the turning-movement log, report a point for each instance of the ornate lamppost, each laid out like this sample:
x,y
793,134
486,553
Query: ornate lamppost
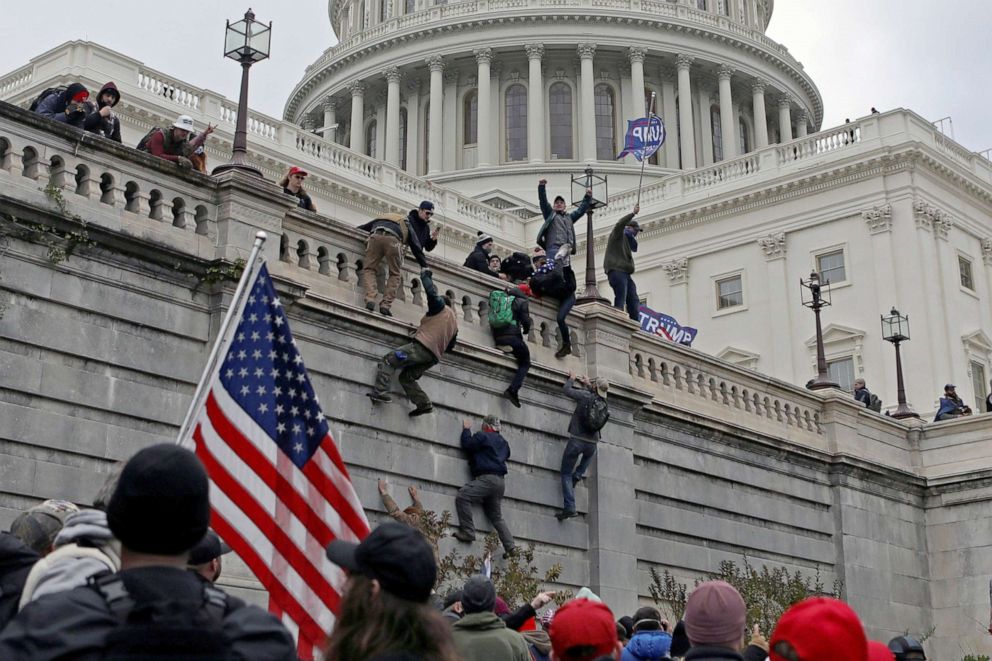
x,y
248,42
580,184
817,296
895,329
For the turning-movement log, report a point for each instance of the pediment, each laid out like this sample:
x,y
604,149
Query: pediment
x,y
738,356
838,334
978,341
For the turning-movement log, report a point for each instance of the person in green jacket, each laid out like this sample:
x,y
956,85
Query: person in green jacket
x,y
481,635
619,263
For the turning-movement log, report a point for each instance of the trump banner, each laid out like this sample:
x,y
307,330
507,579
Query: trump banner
x,y
644,137
657,323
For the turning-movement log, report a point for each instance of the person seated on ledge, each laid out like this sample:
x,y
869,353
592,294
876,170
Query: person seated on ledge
x,y
951,405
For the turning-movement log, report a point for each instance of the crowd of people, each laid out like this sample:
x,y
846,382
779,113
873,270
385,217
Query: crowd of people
x,y
134,578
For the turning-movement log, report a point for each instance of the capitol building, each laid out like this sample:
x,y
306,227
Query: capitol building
x,y
468,103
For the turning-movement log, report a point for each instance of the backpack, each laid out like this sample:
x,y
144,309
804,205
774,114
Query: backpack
x,y
594,413
143,143
164,629
518,266
549,283
874,403
501,310
44,95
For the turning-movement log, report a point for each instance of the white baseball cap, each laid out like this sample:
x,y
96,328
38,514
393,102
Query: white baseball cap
x,y
184,122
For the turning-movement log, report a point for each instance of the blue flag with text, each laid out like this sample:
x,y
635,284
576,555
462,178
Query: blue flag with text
x,y
644,137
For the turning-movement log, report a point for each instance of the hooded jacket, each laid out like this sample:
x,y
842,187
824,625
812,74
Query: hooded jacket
x,y
648,646
539,643
108,127
16,559
84,548
54,106
484,636
620,248
478,260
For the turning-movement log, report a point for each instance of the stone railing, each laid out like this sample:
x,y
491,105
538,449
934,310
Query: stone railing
x,y
15,80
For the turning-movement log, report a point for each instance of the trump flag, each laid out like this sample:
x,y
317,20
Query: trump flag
x,y
644,137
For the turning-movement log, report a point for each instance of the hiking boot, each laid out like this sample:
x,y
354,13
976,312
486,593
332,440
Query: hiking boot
x,y
566,514
511,553
512,396
378,397
385,312
422,410
370,306
566,349
464,536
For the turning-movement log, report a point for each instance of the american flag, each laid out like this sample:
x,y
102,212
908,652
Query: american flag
x,y
279,489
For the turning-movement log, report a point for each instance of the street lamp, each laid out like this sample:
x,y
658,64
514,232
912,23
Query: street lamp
x,y
580,184
817,296
895,329
246,41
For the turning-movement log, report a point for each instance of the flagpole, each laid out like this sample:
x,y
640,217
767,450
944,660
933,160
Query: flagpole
x,y
232,313
641,178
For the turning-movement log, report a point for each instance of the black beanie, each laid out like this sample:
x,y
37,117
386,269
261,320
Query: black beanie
x,y
161,504
478,595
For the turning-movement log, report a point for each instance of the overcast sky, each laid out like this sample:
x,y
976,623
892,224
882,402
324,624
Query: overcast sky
x,y
933,58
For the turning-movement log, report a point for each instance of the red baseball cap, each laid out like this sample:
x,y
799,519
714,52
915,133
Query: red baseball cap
x,y
879,652
821,629
295,170
583,623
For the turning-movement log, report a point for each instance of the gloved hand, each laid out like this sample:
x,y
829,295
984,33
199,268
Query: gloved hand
x,y
184,162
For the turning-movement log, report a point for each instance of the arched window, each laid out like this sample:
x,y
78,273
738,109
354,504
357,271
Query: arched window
x,y
743,12
701,4
370,139
723,7
411,6
606,139
516,122
717,129
745,138
403,133
362,19
560,112
470,116
385,6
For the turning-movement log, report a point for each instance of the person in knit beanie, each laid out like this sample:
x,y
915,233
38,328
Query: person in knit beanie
x,y
715,615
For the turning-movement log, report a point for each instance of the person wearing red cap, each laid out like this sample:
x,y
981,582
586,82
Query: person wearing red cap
x,y
583,630
292,184
819,629
879,652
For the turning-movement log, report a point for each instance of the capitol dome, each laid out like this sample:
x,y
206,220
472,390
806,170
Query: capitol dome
x,y
581,66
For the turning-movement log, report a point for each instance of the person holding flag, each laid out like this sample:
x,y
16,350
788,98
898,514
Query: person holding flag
x,y
619,263
644,137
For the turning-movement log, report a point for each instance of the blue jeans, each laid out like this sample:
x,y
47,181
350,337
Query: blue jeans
x,y
564,307
625,293
522,354
570,472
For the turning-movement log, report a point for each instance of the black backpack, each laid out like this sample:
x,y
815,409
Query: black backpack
x,y
517,266
874,403
44,95
550,283
166,629
594,413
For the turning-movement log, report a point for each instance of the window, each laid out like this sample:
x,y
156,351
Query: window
x,y
370,139
717,129
606,143
471,118
403,133
978,385
841,372
742,12
723,7
411,6
362,18
516,123
385,9
964,269
745,138
831,267
701,4
560,111
729,292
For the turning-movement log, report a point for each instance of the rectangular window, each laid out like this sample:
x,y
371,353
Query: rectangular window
x,y
978,384
964,269
841,372
729,292
831,267
701,4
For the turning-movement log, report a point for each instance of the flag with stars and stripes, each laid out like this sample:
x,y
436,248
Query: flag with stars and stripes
x,y
279,490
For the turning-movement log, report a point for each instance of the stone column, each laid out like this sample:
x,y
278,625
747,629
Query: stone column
x,y
638,108
686,139
727,115
535,104
484,156
801,129
785,118
668,113
777,286
705,125
587,104
412,126
330,107
357,116
392,136
434,155
760,118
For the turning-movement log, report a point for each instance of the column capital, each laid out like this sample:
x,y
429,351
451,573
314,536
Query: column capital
x,y
483,55
391,74
534,51
309,123
435,63
804,116
683,61
357,88
773,246
636,53
329,103
878,218
758,86
725,72
586,51
450,76
785,101
677,270
987,251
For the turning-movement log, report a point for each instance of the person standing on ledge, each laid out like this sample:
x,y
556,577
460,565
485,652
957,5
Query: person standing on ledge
x,y
619,263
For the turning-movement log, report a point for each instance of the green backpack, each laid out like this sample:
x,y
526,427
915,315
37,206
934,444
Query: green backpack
x,y
501,310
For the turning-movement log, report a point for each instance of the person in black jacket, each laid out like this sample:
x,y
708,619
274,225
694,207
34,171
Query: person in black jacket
x,y
67,106
510,338
16,560
101,119
487,453
420,222
478,259
389,235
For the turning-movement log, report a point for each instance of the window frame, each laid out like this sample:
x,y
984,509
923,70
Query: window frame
x,y
965,260
841,359
470,120
571,122
613,120
717,280
506,124
371,137
827,251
